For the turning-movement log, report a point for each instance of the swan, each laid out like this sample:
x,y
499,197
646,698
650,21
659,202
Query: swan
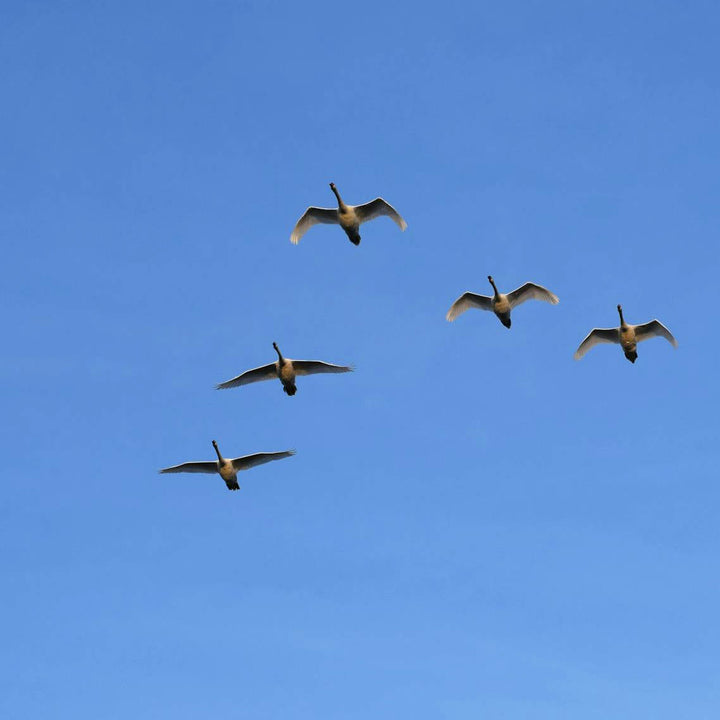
x,y
627,336
228,468
349,217
499,303
286,370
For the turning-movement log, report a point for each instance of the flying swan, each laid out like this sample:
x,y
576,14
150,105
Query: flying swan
x,y
349,217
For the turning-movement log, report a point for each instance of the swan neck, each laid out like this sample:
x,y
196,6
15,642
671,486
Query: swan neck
x,y
341,204
622,319
217,450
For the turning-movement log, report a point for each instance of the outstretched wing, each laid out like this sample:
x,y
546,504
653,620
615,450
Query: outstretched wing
x,y
249,461
654,328
531,291
312,367
376,208
266,372
193,467
595,337
313,216
465,302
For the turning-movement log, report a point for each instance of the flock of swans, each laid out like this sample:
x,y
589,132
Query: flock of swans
x,y
350,217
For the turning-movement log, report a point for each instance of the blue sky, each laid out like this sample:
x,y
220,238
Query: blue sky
x,y
474,525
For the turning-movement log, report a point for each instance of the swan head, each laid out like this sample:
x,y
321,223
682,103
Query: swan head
x,y
332,186
214,444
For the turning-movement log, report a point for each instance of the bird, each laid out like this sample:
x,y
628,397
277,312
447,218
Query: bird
x,y
228,468
627,336
286,370
349,217
500,303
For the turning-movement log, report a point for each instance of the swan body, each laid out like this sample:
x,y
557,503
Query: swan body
x,y
228,468
627,336
284,369
500,303
349,217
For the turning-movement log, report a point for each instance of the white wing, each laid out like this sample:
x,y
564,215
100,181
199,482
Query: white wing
x,y
465,302
312,367
595,337
265,372
193,467
313,216
248,461
531,291
654,328
376,208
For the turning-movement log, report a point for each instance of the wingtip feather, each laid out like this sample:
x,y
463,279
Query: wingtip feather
x,y
453,313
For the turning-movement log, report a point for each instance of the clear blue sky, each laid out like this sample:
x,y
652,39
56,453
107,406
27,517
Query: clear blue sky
x,y
474,525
